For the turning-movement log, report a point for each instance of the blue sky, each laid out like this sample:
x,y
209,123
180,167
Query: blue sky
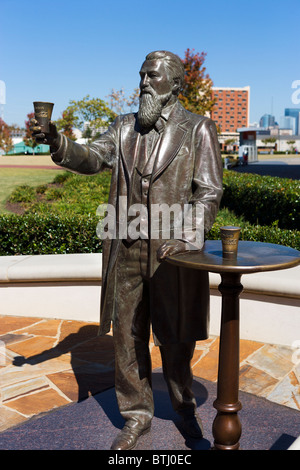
x,y
62,50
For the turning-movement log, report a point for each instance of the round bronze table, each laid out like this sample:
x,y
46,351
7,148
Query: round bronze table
x,y
252,257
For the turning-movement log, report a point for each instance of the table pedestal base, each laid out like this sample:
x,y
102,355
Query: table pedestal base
x,y
252,257
227,428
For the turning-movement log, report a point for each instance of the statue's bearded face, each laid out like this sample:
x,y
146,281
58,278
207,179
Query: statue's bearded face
x,y
156,92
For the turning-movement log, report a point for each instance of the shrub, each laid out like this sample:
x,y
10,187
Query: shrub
x,y
53,194
51,234
41,189
62,177
33,234
78,195
263,199
23,193
68,224
258,233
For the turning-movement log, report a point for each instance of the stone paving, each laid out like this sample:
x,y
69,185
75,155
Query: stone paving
x,y
49,363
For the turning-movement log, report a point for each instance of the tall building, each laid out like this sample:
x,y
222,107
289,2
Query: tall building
x,y
288,122
266,121
294,112
232,108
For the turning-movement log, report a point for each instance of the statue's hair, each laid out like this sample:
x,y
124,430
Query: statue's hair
x,y
173,63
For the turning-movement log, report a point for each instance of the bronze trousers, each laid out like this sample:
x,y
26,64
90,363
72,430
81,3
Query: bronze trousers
x,y
131,332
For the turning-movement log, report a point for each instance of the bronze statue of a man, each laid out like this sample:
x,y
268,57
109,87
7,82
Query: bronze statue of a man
x,y
161,155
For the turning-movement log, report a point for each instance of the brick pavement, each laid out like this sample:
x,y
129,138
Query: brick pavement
x,y
50,363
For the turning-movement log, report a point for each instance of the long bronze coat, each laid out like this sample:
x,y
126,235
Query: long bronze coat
x,y
187,170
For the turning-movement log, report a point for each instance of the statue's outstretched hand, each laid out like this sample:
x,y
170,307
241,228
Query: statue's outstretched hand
x,y
53,138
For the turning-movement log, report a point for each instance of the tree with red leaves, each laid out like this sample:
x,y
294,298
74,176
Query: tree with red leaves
x,y
196,95
28,140
6,142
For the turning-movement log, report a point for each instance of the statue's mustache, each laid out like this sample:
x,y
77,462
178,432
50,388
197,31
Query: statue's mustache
x,y
146,92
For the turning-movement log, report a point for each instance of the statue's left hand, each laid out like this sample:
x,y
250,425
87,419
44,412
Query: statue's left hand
x,y
169,248
53,138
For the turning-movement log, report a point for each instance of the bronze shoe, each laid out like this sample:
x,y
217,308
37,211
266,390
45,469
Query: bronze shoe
x,y
128,437
192,426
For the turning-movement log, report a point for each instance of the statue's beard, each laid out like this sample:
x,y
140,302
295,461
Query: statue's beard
x,y
151,106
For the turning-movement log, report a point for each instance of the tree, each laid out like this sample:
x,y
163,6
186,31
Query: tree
x,y
269,140
6,142
229,143
196,95
120,104
28,140
93,111
291,144
66,124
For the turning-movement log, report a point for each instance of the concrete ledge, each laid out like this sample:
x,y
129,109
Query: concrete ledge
x,y
45,268
88,266
283,283
269,306
51,286
69,287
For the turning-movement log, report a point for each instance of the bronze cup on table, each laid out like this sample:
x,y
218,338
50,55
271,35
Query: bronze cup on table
x,y
43,113
230,240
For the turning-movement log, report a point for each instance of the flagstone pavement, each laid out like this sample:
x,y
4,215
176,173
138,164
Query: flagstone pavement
x,y
50,363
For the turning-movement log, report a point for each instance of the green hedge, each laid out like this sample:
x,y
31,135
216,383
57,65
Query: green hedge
x,y
259,233
263,200
68,223
33,234
57,234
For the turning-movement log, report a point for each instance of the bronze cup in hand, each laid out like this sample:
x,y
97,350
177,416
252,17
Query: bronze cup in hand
x,y
230,239
43,112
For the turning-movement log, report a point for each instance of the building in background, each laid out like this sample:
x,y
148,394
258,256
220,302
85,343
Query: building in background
x,y
22,149
232,108
288,122
295,113
266,121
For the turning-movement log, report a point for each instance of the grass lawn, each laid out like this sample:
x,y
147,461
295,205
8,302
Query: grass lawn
x,y
10,178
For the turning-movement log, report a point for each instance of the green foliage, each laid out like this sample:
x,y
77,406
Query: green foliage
x,y
68,223
92,110
258,233
53,194
66,123
23,193
11,178
62,177
269,140
77,194
50,234
41,189
263,200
